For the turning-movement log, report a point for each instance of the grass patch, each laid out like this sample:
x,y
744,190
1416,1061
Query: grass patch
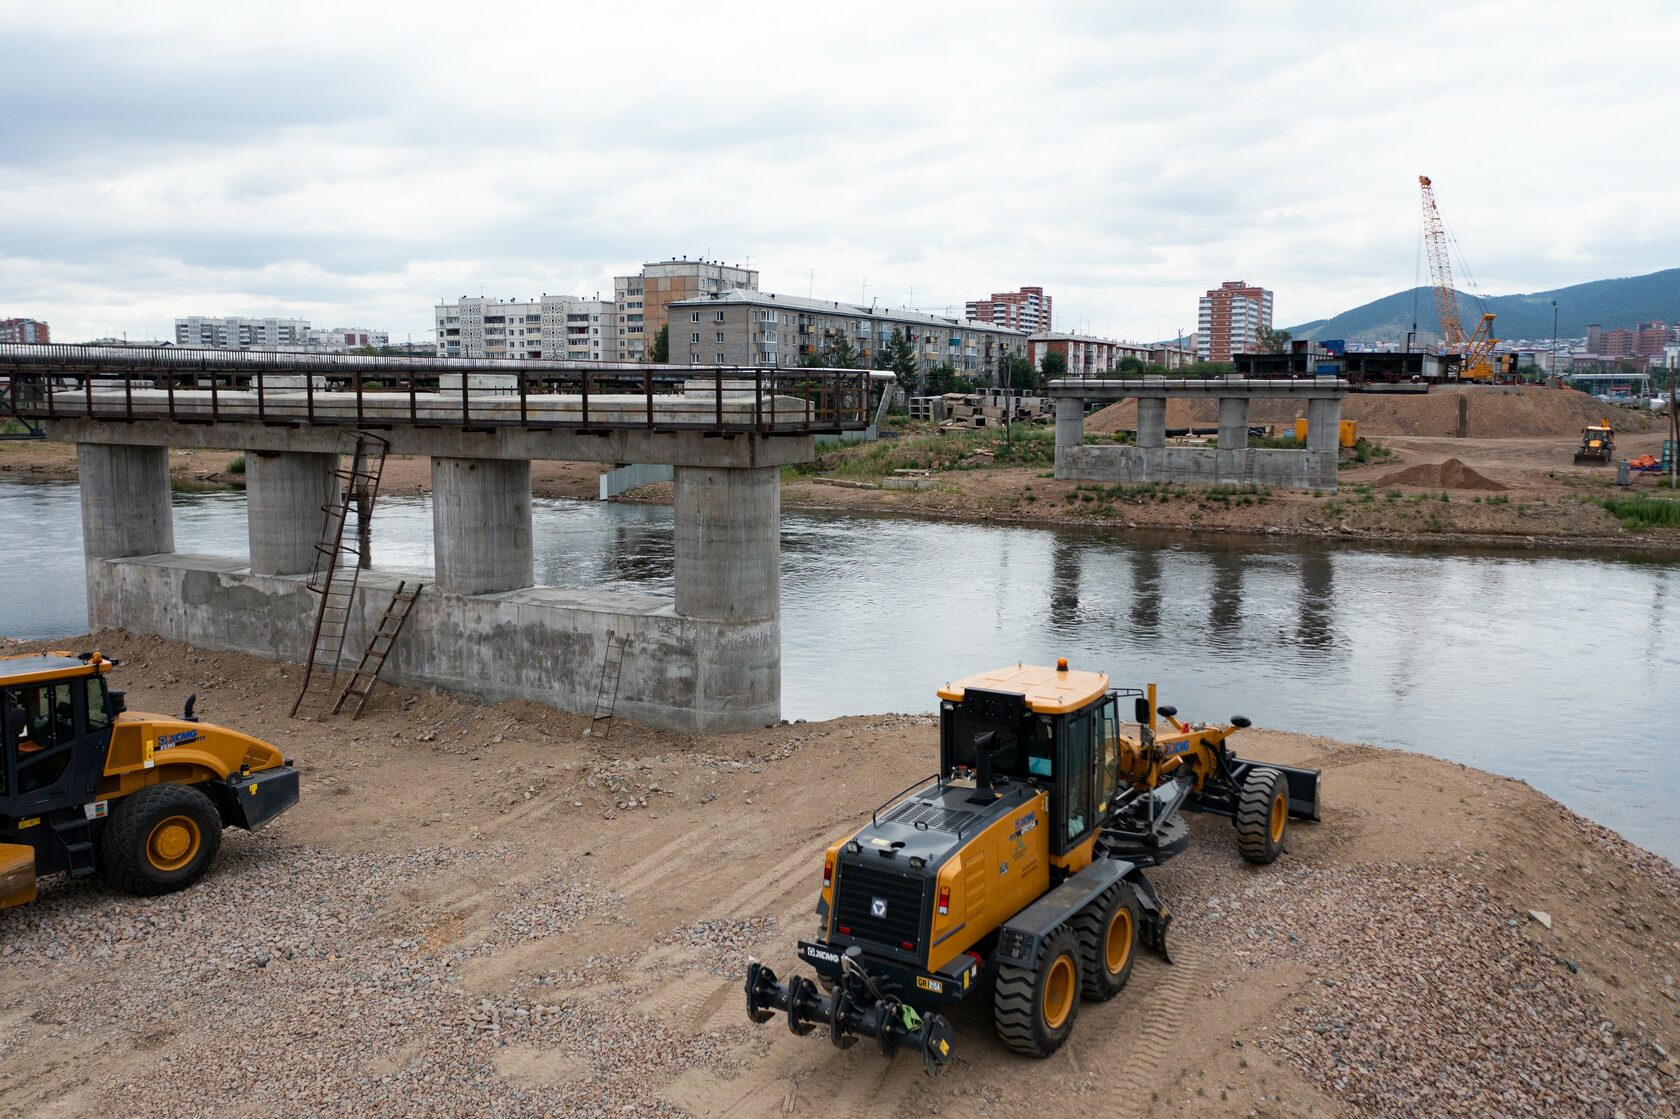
x,y
969,450
1275,442
1637,512
1366,451
237,466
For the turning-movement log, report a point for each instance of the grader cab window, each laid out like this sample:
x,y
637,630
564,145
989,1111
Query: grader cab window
x,y
39,720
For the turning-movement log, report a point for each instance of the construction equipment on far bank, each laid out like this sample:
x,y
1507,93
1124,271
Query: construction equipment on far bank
x,y
1017,870
1598,444
1474,351
86,785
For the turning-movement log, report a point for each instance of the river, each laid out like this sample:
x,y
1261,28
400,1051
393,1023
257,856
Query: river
x,y
1559,670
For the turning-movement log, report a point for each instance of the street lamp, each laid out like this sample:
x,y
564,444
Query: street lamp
x,y
1554,338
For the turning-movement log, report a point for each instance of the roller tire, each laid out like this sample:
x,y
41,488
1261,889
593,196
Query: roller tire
x,y
1260,834
125,861
1018,1002
1097,982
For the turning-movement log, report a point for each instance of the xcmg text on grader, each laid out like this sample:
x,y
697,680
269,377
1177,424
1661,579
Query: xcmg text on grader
x,y
1018,868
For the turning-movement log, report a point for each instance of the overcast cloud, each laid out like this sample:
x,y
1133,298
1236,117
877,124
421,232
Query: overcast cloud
x,y
353,163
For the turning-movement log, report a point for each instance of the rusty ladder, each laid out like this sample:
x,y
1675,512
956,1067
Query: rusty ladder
x,y
606,695
338,564
379,647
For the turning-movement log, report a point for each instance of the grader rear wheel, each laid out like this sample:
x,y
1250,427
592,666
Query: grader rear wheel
x,y
1263,815
161,838
1108,938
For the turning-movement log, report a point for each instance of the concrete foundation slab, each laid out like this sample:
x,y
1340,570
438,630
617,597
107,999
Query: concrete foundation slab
x,y
1196,466
700,675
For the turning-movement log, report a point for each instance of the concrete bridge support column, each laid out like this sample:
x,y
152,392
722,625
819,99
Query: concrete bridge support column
x,y
1070,422
1233,423
125,508
481,525
728,542
1324,424
1152,421
285,494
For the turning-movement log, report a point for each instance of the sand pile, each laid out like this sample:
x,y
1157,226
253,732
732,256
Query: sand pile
x,y
1495,412
1449,475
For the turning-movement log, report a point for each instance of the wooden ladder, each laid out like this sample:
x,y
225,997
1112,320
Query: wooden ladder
x,y
337,570
606,696
379,647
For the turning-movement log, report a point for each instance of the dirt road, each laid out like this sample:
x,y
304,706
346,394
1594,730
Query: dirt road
x,y
477,911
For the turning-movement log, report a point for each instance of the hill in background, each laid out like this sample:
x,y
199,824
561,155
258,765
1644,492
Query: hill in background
x,y
1621,302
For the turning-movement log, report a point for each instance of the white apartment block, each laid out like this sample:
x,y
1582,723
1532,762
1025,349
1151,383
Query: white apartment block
x,y
232,332
563,327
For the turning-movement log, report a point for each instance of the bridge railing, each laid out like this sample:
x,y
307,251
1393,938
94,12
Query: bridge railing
x,y
206,386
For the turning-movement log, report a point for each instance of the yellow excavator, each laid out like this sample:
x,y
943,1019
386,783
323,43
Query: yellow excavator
x,y
1598,444
1017,869
87,786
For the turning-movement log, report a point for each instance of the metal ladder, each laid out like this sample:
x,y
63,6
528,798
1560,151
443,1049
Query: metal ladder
x,y
338,565
379,647
606,696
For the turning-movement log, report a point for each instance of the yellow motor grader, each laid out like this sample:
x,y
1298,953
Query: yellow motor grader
x,y
1018,869
87,786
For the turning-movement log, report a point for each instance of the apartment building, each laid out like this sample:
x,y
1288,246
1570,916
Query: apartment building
x,y
1026,310
564,327
744,327
232,332
1229,320
1085,355
24,330
643,298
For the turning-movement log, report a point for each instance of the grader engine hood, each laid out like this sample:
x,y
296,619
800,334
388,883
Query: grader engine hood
x,y
885,885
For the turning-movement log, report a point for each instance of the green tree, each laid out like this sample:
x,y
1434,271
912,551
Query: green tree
x,y
944,378
840,354
1016,372
662,344
1053,365
1270,341
900,356
1129,367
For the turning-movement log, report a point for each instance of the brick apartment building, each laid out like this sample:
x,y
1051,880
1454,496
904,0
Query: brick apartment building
x,y
1085,356
1025,310
1644,340
1229,319
24,330
642,299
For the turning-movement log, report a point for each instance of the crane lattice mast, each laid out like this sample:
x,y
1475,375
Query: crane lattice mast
x,y
1440,270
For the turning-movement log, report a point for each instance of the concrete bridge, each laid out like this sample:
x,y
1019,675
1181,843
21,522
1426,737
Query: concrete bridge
x,y
707,660
1232,462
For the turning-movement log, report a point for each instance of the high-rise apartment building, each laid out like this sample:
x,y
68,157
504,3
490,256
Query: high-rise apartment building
x,y
642,298
1229,320
745,327
1027,309
554,326
24,330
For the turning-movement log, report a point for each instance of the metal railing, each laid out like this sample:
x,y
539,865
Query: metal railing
x,y
132,384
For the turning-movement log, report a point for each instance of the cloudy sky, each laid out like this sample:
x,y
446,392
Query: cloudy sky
x,y
353,163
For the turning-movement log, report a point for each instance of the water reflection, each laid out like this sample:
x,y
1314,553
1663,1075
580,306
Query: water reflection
x,y
1314,628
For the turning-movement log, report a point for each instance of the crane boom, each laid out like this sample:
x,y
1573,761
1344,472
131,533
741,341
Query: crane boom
x,y
1476,363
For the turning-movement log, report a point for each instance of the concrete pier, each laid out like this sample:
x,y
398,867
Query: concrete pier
x,y
125,500
286,492
1151,422
1070,422
1149,459
728,543
481,525
1233,423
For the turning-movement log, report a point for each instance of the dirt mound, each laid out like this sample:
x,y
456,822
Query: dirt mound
x,y
1495,412
1449,475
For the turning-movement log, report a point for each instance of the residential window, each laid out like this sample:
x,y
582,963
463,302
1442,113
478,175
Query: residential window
x,y
720,359
720,337
717,316
694,316
695,358
694,339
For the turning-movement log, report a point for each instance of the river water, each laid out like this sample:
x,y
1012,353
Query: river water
x,y
1558,670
